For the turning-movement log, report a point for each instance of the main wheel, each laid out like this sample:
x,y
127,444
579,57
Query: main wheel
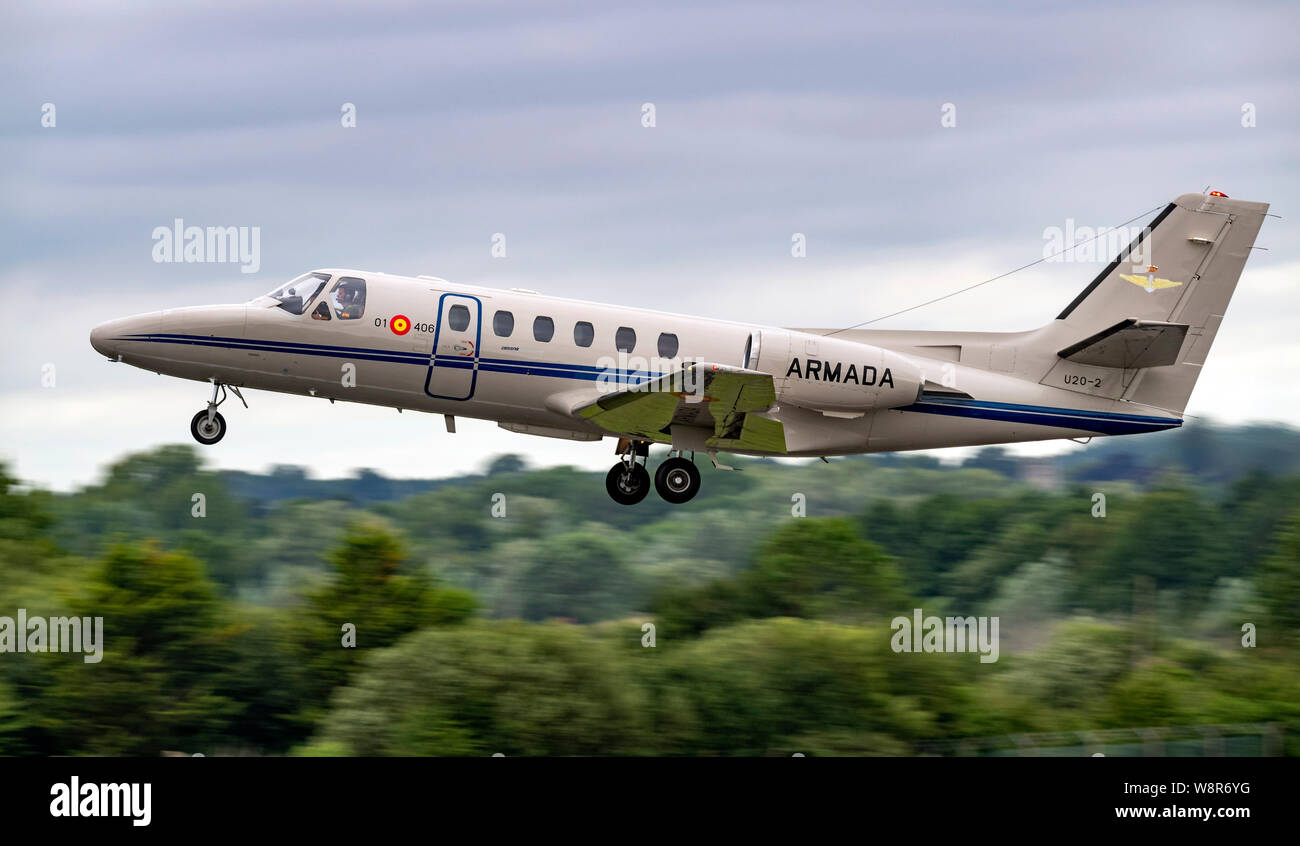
x,y
627,487
208,432
677,480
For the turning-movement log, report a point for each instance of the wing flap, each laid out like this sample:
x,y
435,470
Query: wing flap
x,y
732,396
640,413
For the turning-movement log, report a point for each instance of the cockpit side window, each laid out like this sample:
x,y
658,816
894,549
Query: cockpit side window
x,y
349,298
297,295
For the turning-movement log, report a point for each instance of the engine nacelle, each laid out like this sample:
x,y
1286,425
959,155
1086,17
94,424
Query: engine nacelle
x,y
832,374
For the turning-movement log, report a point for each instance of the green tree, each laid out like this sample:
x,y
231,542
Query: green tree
x,y
935,535
1279,587
162,644
1169,537
1083,660
508,687
374,598
579,576
782,686
812,567
164,495
508,463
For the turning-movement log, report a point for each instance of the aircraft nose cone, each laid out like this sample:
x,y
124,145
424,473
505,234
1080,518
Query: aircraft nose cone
x,y
108,338
101,338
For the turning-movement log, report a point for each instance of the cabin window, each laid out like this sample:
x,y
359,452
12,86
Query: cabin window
x,y
349,298
322,312
503,323
458,318
584,333
297,295
625,339
543,329
667,345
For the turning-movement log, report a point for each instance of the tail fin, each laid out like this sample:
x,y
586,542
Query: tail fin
x,y
1152,314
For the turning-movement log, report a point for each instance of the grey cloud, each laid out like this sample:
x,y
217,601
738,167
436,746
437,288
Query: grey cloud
x,y
477,118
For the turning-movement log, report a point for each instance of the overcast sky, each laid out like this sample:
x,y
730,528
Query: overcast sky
x,y
526,119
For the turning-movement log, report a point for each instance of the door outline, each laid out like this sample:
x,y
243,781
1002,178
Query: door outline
x,y
478,338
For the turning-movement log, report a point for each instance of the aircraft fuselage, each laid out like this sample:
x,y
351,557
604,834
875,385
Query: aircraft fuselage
x,y
527,384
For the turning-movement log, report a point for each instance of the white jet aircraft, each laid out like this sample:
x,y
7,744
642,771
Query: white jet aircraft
x,y
1122,358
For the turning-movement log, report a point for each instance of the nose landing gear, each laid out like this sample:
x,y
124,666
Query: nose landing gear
x,y
208,426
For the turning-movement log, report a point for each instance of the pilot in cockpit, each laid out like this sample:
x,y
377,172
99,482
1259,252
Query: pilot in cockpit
x,y
349,298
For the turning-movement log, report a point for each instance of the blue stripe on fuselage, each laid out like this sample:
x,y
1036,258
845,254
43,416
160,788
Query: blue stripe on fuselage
x,y
498,365
1102,422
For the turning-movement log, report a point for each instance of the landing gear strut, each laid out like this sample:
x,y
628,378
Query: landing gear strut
x,y
208,426
628,481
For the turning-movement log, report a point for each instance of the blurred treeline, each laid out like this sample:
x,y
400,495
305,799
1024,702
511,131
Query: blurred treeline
x,y
506,612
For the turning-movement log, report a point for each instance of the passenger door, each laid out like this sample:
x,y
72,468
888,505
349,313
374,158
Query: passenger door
x,y
453,368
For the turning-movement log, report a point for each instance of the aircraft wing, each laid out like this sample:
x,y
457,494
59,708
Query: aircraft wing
x,y
714,396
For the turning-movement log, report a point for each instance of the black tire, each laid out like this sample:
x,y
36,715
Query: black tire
x,y
627,488
205,434
677,480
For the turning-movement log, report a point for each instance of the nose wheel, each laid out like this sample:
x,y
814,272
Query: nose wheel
x,y
208,426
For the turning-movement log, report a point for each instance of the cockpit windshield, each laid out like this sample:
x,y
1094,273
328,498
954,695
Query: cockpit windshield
x,y
297,295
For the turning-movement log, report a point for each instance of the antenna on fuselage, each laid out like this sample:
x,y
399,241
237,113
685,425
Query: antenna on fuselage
x,y
999,276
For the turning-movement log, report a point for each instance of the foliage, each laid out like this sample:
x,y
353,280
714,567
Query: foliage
x,y
524,630
811,568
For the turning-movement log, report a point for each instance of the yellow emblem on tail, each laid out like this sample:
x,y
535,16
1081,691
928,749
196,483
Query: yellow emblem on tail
x,y
1149,282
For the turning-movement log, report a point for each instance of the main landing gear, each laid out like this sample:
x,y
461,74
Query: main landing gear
x,y
208,426
677,480
628,481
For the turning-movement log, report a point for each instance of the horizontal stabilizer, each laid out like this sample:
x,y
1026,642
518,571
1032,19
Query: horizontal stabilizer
x,y
1130,344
